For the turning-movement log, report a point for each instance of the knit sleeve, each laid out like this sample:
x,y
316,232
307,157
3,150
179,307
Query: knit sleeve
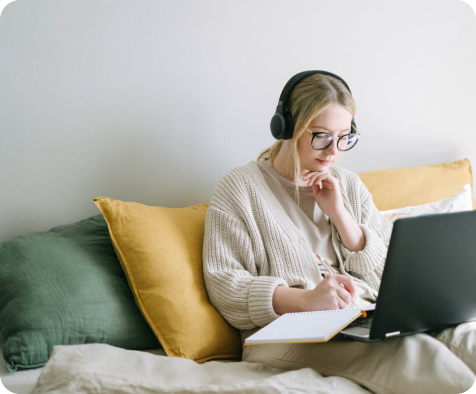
x,y
368,263
231,277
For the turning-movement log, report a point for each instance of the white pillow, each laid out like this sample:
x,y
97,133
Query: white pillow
x,y
458,202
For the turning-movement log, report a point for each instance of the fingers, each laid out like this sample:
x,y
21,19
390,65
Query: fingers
x,y
315,178
331,293
343,297
348,282
307,173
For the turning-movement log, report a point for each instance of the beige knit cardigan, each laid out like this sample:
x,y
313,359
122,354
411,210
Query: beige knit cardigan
x,y
251,245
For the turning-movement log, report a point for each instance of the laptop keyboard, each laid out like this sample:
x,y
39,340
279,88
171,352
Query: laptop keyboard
x,y
365,323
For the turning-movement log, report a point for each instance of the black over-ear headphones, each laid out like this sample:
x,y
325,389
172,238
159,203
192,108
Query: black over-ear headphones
x,y
282,124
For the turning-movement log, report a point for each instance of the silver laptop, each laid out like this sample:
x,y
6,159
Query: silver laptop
x,y
429,278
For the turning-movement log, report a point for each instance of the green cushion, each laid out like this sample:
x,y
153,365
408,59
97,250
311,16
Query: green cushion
x,y
65,286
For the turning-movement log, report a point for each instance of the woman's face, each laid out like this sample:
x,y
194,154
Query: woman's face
x,y
335,120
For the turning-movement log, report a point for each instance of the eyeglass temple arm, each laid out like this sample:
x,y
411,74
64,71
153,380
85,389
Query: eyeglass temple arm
x,y
356,129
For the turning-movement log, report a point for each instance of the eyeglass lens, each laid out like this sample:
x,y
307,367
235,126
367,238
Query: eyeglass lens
x,y
323,140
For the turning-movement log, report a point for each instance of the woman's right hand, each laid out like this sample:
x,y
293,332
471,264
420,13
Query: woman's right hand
x,y
329,294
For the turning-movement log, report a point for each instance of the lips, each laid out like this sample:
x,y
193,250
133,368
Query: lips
x,y
324,162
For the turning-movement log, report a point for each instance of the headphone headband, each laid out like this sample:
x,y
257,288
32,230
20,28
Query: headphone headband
x,y
300,76
282,125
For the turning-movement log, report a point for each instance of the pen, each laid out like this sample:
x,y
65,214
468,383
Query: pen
x,y
344,286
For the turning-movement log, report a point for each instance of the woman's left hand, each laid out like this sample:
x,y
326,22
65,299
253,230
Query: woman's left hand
x,y
329,198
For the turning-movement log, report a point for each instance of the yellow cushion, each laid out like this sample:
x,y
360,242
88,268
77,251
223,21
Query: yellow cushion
x,y
402,187
160,250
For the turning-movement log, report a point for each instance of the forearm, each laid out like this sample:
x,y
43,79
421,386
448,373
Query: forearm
x,y
288,299
350,232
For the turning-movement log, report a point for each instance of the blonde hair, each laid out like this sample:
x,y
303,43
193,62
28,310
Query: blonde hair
x,y
308,99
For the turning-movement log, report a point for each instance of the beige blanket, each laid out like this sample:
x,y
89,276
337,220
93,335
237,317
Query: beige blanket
x,y
100,368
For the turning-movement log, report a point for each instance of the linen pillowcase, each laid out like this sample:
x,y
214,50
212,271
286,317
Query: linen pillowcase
x,y
65,286
160,250
459,202
403,187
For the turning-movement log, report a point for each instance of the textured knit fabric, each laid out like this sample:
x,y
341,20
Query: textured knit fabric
x,y
251,245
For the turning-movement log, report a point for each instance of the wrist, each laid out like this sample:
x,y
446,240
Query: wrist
x,y
288,299
305,302
337,214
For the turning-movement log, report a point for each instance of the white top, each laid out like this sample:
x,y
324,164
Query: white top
x,y
307,216
251,245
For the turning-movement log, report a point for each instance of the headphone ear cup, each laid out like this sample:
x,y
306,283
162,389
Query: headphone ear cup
x,y
282,126
289,129
278,126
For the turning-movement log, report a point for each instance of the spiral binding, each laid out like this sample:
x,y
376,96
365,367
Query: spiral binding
x,y
328,310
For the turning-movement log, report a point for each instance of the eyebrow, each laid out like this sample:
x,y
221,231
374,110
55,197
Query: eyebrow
x,y
342,131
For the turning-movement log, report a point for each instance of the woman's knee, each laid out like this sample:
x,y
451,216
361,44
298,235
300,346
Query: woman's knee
x,y
461,341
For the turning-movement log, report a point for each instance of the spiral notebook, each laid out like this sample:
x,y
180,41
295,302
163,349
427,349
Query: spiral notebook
x,y
306,327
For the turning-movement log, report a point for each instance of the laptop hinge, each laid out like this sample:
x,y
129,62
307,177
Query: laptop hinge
x,y
392,334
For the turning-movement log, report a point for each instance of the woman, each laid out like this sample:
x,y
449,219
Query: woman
x,y
265,224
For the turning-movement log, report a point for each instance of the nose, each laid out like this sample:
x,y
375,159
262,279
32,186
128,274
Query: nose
x,y
332,148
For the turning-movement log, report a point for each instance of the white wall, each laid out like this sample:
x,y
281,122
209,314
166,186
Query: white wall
x,y
153,101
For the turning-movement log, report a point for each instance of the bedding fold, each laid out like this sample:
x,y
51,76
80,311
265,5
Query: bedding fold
x,y
105,369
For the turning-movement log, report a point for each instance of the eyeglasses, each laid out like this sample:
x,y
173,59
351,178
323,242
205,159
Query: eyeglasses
x,y
322,140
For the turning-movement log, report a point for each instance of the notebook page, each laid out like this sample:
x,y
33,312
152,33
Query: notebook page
x,y
370,307
305,326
